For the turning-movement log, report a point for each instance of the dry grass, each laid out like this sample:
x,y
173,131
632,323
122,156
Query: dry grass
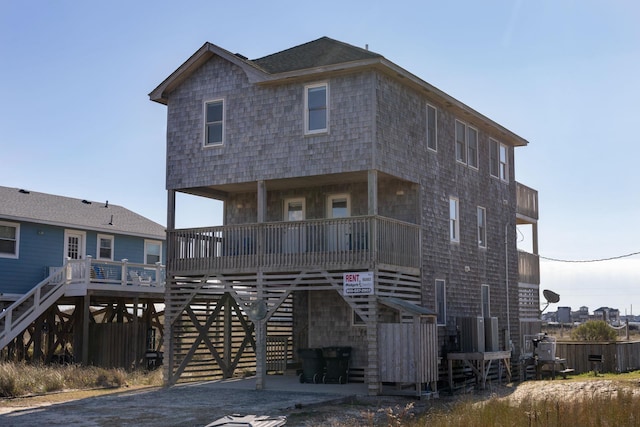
x,y
21,379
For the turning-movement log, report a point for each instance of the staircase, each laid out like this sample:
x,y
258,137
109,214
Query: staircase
x,y
19,315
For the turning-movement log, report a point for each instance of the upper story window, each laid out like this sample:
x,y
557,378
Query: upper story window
x,y
466,144
454,219
441,302
152,251
214,122
316,101
9,239
482,227
432,128
498,156
105,247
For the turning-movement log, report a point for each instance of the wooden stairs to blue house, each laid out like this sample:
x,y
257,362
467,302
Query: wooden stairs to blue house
x,y
18,316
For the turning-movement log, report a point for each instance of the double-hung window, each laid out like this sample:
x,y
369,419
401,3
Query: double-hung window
x,y
214,122
461,142
454,219
482,227
441,302
432,128
316,101
498,156
105,247
466,144
9,239
472,147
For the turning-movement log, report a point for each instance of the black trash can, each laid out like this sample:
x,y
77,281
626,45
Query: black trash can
x,y
312,365
337,364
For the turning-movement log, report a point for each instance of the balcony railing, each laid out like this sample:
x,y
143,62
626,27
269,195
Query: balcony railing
x,y
526,201
528,268
326,243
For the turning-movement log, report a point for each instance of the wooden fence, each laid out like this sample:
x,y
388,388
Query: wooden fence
x,y
620,356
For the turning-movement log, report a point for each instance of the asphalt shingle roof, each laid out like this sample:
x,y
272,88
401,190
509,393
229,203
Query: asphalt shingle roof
x,y
318,53
31,206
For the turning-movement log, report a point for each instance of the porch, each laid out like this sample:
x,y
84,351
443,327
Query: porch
x,y
329,244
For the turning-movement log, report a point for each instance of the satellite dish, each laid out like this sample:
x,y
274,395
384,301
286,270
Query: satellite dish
x,y
551,296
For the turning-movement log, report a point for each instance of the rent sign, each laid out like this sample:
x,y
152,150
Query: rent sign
x,y
360,283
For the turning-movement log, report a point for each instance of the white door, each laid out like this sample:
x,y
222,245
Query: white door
x,y
74,248
293,240
74,244
339,235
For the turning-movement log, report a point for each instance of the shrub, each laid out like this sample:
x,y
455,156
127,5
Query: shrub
x,y
594,330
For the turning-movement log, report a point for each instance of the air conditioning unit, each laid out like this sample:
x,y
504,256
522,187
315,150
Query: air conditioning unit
x,y
546,349
471,334
491,338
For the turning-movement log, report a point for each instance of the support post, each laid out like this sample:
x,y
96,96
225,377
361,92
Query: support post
x,y
261,356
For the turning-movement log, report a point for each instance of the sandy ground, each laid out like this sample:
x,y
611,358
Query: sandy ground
x,y
302,404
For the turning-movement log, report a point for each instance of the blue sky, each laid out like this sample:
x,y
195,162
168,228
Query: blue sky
x,y
76,120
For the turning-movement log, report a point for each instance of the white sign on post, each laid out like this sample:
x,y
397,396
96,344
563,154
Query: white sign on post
x,y
360,283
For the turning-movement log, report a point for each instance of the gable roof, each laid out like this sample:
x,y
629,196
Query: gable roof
x,y
318,53
319,57
42,208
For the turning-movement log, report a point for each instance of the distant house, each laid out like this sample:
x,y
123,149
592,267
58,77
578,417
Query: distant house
x,y
609,315
97,251
363,207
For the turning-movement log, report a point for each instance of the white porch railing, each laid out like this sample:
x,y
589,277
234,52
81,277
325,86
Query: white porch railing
x,y
19,315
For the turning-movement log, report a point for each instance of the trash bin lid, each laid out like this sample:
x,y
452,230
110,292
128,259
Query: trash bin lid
x,y
236,420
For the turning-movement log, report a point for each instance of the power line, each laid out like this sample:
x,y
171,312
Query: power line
x,y
589,260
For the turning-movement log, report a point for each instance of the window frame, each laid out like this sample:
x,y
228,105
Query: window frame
x,y
356,320
454,220
482,227
474,150
498,168
307,123
99,238
441,302
16,240
461,143
432,141
146,252
205,142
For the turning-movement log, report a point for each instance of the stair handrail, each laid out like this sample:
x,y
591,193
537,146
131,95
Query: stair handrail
x,y
33,304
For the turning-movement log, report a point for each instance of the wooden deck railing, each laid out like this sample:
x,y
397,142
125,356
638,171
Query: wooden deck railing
x,y
526,201
336,243
528,268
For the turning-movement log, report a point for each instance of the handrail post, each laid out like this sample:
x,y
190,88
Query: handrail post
x,y
87,272
124,272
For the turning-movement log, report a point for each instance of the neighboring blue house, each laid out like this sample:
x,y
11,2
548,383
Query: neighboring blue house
x,y
94,256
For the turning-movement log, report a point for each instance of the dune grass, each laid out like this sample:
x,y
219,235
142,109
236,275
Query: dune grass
x,y
21,379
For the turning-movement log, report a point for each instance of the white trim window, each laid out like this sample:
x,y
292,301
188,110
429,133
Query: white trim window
x,y
316,108
105,247
482,227
432,128
498,156
466,144
461,142
214,122
486,306
9,240
152,251
454,219
472,147
441,302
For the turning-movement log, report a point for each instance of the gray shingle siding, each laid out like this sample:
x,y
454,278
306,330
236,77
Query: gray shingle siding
x,y
266,142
